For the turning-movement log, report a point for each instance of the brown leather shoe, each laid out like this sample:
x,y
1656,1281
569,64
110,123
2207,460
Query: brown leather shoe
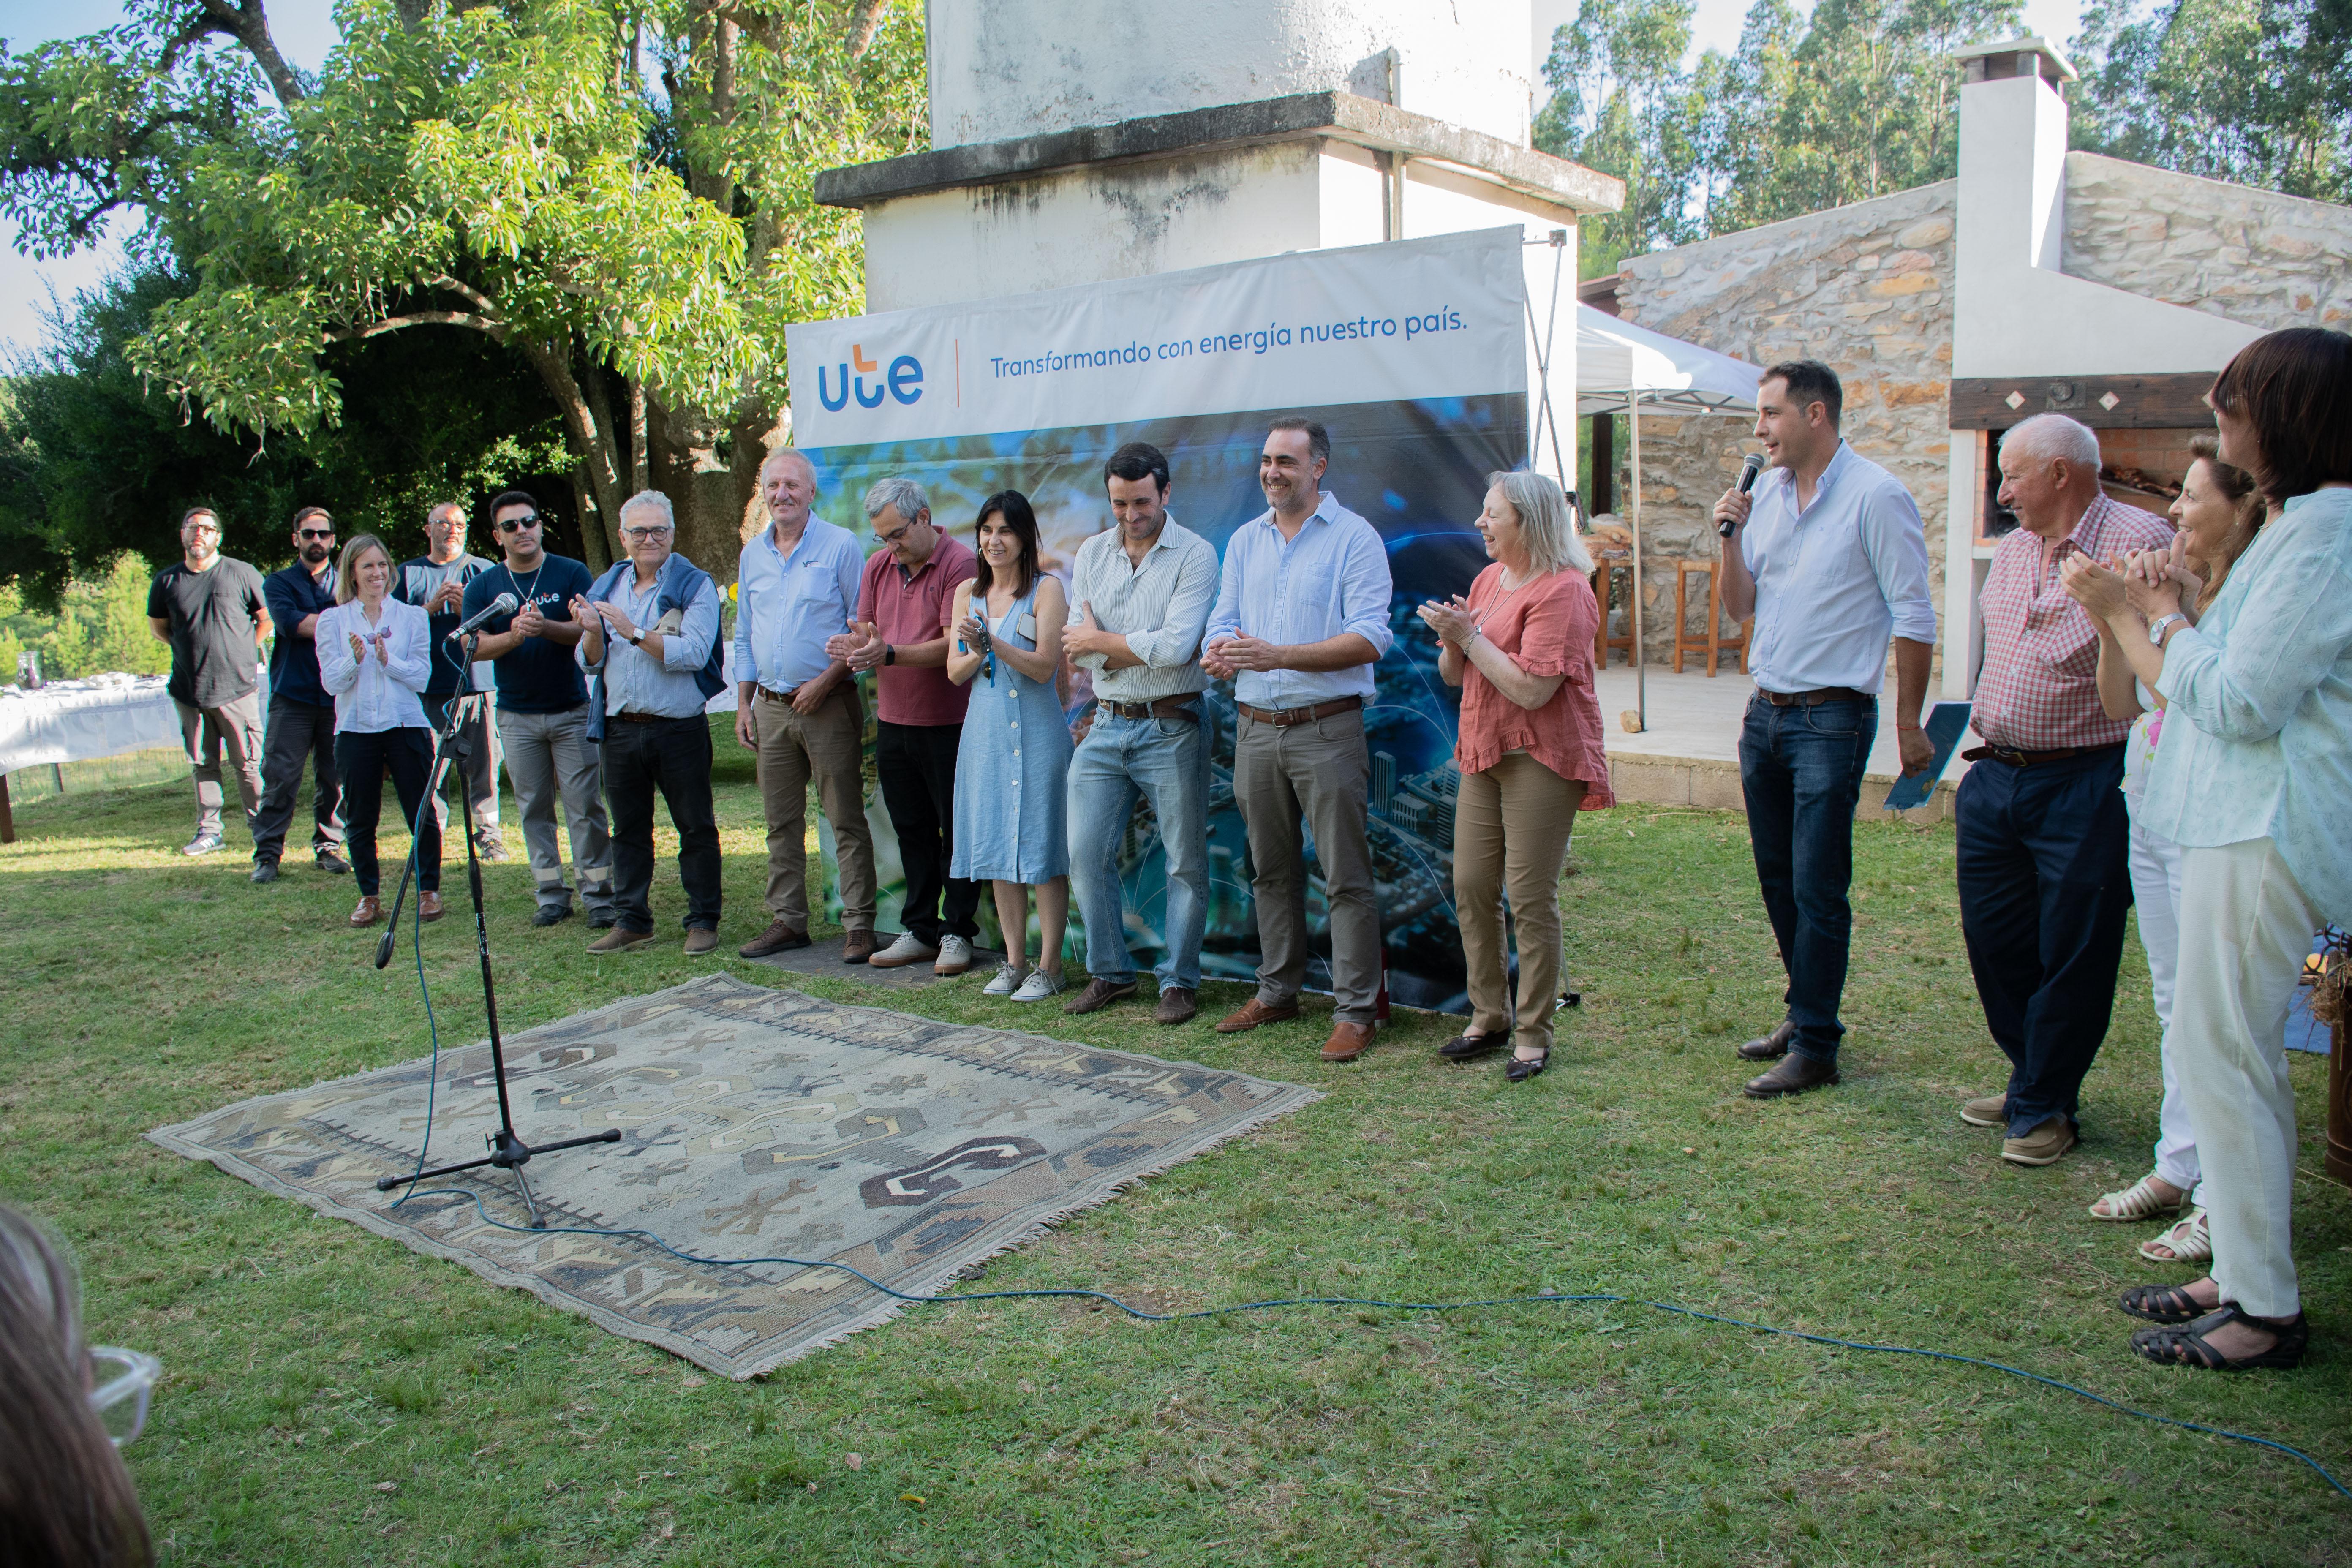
x,y
620,938
1254,1012
1100,994
370,911
778,938
428,905
1347,1042
859,946
700,940
1177,1006
1771,1048
1795,1075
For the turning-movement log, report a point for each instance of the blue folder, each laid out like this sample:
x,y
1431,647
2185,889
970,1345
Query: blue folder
x,y
1946,723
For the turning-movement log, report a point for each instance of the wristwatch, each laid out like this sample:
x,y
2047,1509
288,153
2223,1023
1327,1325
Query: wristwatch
x,y
638,638
889,654
2156,628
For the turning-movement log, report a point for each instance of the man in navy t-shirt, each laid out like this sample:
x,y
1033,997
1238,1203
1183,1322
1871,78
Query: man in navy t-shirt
x,y
544,710
302,713
436,583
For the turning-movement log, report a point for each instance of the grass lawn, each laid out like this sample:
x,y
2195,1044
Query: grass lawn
x,y
330,1397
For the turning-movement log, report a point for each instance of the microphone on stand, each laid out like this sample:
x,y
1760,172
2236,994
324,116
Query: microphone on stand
x,y
1747,472
504,604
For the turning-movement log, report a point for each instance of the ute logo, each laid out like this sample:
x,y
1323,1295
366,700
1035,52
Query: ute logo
x,y
903,381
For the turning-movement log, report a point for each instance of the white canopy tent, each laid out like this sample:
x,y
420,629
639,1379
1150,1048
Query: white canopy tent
x,y
1622,369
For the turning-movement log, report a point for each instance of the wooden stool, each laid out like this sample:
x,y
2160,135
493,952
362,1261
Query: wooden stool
x,y
1715,643
1605,562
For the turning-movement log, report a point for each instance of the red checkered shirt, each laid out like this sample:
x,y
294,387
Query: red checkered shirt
x,y
2039,689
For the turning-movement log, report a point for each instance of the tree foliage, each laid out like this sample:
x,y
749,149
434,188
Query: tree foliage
x,y
616,196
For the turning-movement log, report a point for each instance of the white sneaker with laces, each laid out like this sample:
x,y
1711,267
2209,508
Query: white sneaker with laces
x,y
909,949
955,956
1038,986
1008,980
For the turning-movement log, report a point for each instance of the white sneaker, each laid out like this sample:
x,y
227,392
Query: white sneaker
x,y
1038,986
1008,980
909,949
955,956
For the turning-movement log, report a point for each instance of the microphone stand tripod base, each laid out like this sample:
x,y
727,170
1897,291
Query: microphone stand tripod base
x,y
507,1152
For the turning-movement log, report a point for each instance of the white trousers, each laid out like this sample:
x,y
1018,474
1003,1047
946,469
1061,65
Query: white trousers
x,y
2254,926
2156,867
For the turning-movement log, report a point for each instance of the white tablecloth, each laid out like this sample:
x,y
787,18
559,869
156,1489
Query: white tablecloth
x,y
73,721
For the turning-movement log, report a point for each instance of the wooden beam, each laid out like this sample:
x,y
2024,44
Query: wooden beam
x,y
2101,402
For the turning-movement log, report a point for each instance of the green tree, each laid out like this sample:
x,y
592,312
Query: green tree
x,y
99,623
2255,91
1622,103
617,195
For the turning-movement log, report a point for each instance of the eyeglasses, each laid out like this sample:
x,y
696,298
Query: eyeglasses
x,y
201,528
517,524
317,532
895,535
639,535
125,1381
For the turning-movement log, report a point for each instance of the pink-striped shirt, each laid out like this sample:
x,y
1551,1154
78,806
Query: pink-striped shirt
x,y
2040,688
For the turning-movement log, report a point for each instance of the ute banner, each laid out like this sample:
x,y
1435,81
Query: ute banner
x,y
1413,353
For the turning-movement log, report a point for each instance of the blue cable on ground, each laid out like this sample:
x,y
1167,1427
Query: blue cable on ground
x,y
1543,1298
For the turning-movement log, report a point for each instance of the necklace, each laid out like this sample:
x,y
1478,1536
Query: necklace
x,y
1506,596
520,591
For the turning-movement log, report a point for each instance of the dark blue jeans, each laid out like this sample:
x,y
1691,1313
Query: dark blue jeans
x,y
2046,880
673,756
1801,770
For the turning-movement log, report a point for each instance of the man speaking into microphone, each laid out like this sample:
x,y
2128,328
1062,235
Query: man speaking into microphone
x,y
1828,555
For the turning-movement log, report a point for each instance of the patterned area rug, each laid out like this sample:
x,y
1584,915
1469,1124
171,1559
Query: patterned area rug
x,y
754,1122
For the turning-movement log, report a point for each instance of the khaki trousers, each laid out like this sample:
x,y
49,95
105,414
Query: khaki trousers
x,y
1511,825
828,746
1319,771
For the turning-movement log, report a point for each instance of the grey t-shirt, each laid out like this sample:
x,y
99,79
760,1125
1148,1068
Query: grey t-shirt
x,y
211,616
419,580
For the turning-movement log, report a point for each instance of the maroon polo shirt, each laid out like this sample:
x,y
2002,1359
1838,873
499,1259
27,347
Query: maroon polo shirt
x,y
912,607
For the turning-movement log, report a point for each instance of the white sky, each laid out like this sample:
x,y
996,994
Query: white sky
x,y
304,30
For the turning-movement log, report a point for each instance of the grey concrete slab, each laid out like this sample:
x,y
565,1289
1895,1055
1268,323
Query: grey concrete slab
x,y
822,957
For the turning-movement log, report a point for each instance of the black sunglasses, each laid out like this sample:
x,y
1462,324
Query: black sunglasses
x,y
317,532
517,524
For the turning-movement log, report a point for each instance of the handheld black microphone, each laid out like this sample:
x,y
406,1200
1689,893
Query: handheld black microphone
x,y
504,604
1747,472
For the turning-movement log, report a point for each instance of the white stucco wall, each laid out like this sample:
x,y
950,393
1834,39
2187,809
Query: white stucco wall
x,y
1003,68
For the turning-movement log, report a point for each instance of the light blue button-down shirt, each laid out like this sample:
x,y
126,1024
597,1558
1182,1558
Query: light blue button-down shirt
x,y
1835,582
1332,578
637,682
785,607
2258,720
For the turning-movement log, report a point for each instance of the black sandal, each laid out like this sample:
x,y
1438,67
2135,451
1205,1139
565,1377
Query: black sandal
x,y
2162,1304
1461,1047
1525,1068
2187,1346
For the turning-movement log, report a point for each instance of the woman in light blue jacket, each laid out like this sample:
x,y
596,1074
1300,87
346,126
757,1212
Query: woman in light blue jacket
x,y
375,656
2254,780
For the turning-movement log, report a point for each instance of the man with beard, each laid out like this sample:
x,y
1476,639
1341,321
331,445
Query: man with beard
x,y
302,713
211,610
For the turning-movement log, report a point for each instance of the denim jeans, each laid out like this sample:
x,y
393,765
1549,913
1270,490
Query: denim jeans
x,y
1800,771
2043,862
1165,761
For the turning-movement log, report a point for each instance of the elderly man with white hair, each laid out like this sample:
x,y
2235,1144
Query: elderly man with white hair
x,y
651,650
2043,855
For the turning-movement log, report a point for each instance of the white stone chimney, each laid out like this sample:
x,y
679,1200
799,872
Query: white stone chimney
x,y
2014,312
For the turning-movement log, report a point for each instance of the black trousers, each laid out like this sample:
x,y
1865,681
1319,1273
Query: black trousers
x,y
2043,860
297,731
915,765
363,757
672,755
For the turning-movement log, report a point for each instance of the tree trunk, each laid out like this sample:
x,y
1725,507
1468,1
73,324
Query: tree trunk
x,y
588,432
711,491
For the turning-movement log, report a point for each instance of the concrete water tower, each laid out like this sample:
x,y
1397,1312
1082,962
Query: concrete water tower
x,y
1075,140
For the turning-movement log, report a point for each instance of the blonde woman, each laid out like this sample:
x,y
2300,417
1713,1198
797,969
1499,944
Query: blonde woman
x,y
1520,647
375,658
2218,512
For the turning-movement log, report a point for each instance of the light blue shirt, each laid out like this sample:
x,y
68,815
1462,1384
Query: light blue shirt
x,y
1836,580
637,682
1332,578
2258,718
371,694
785,607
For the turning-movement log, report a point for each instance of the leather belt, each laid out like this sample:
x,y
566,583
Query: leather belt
x,y
1159,708
1290,718
1819,695
632,718
2028,758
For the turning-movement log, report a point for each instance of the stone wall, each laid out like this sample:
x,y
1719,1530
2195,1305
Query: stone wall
x,y
1866,287
2267,260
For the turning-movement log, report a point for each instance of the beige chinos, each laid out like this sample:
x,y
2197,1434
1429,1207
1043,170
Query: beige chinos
x,y
1511,825
827,745
1319,771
